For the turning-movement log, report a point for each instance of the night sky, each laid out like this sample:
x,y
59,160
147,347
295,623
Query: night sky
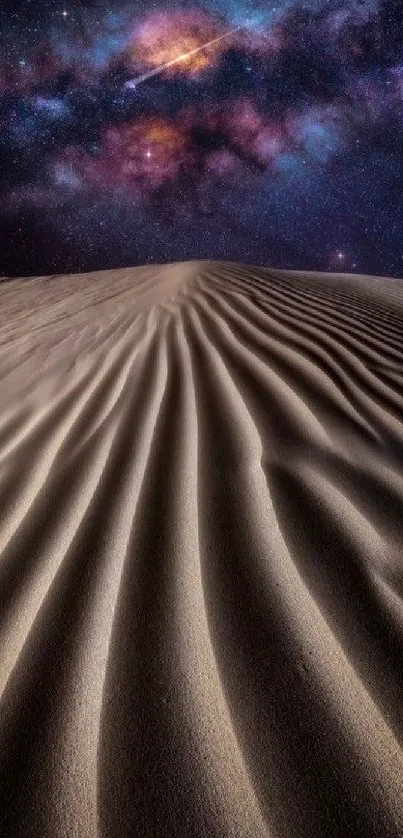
x,y
280,144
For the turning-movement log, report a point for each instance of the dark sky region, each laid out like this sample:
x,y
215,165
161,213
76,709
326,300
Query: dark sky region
x,y
281,144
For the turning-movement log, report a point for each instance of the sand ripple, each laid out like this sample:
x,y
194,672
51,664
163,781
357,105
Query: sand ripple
x,y
201,566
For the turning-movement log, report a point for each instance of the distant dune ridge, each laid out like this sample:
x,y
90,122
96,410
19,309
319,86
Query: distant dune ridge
x,y
201,561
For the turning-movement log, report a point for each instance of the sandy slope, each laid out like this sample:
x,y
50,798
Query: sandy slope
x,y
201,564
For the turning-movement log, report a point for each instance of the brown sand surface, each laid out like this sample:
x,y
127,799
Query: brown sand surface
x,y
201,554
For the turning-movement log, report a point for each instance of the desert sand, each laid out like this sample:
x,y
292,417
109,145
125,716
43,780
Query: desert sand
x,y
201,562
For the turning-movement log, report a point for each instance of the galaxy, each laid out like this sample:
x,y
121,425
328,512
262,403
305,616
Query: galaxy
x,y
133,133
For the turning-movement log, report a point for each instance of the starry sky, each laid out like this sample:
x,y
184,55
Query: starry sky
x,y
279,142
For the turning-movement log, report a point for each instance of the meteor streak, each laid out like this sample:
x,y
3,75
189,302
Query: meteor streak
x,y
133,83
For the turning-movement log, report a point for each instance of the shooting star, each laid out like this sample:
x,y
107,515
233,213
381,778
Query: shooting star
x,y
133,83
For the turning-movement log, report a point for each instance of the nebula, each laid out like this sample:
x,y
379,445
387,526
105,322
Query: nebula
x,y
169,35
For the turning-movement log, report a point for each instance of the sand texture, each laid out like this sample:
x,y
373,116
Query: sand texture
x,y
201,554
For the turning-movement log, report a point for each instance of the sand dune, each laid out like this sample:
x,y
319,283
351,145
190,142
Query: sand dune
x,y
201,563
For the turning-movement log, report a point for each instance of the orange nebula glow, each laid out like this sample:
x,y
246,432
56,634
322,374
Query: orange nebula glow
x,y
159,133
165,37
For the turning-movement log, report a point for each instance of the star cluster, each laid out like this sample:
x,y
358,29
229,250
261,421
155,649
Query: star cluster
x,y
141,132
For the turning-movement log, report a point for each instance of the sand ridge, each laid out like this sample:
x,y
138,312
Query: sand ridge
x,y
201,574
